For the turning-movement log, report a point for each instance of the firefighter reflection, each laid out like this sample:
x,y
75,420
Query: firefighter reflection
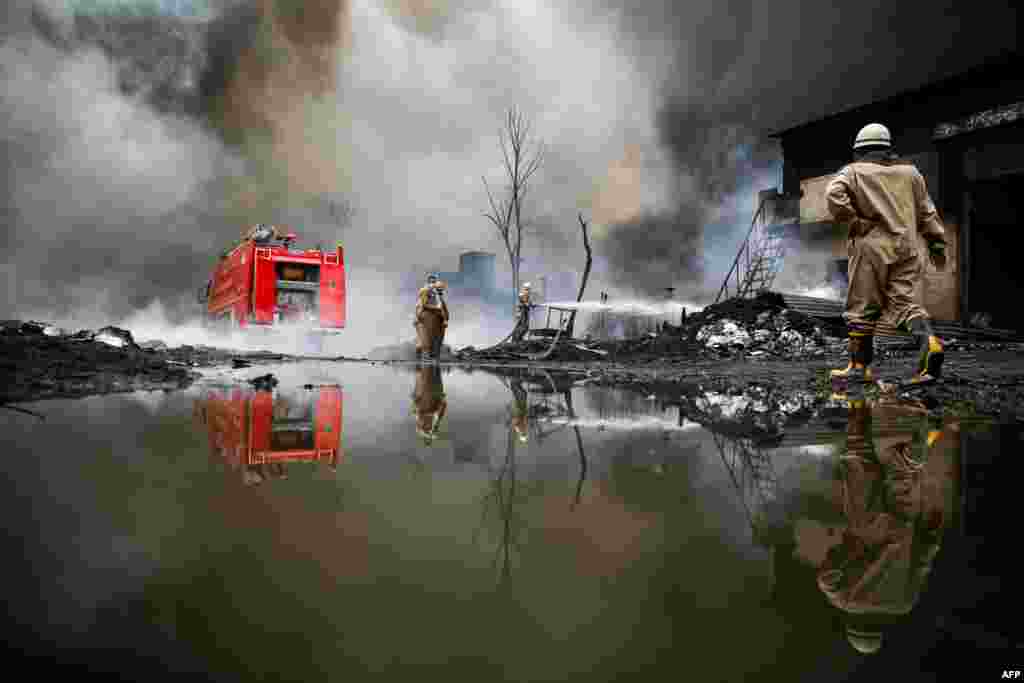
x,y
258,432
894,523
520,420
429,402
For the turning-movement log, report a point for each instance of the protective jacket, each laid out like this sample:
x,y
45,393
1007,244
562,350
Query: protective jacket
x,y
431,320
885,204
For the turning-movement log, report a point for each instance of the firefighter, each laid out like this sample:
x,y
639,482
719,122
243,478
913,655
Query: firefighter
x,y
520,421
894,527
523,314
431,319
429,402
885,204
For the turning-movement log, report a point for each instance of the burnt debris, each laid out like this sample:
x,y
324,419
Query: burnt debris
x,y
39,361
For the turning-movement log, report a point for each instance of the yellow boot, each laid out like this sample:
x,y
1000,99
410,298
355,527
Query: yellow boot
x,y
862,352
929,364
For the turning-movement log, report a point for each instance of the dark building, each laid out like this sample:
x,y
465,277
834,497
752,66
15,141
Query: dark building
x,y
966,135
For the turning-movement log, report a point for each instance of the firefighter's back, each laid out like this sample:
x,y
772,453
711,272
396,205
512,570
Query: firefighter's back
x,y
884,192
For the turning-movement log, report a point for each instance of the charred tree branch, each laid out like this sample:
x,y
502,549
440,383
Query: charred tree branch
x,y
586,273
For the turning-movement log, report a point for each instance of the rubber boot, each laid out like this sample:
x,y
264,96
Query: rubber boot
x,y
929,364
858,370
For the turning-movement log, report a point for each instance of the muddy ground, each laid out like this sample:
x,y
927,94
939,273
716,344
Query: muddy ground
x,y
986,380
38,361
756,352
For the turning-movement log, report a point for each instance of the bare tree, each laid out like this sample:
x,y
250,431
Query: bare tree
x,y
522,156
586,274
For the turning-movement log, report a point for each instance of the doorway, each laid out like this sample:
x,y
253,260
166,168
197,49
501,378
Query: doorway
x,y
995,275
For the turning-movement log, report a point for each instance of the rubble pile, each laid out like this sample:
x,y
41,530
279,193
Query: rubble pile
x,y
753,411
762,326
38,360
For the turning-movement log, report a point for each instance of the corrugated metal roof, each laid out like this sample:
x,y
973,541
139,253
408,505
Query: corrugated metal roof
x,y
828,308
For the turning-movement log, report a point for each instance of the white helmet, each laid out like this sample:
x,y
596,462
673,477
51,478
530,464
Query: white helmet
x,y
866,642
526,285
873,134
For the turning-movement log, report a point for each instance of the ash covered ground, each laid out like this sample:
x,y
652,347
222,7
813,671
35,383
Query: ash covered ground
x,y
749,362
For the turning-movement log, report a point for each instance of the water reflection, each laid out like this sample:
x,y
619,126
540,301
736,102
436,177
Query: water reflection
x,y
257,432
894,514
627,534
860,517
429,402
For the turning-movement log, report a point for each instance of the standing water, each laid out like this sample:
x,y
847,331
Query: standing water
x,y
368,521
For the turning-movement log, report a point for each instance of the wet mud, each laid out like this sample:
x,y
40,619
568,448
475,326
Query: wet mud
x,y
38,361
756,352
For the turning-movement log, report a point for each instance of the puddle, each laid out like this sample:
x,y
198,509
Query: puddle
x,y
525,526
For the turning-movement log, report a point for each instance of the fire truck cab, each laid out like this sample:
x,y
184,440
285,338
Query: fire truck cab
x,y
265,281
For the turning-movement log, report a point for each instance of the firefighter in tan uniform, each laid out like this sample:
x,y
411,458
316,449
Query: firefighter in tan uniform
x,y
894,526
429,402
885,204
431,319
520,412
523,317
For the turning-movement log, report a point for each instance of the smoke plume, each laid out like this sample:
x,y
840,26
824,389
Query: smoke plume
x,y
139,147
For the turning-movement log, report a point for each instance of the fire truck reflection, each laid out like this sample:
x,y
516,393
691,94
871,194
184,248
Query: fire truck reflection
x,y
258,432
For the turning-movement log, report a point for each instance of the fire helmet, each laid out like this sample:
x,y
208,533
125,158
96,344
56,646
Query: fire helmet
x,y
873,135
432,277
866,642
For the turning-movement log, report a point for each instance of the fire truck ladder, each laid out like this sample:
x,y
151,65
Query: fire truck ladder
x,y
752,473
760,256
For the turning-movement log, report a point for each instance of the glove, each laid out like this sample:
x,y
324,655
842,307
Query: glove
x,y
937,254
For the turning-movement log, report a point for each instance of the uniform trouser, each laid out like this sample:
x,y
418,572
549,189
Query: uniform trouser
x,y
522,324
886,281
430,332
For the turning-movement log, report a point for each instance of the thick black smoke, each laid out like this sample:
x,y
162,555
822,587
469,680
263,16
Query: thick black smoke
x,y
656,251
732,72
123,179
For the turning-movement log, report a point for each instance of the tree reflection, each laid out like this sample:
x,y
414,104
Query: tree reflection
x,y
503,501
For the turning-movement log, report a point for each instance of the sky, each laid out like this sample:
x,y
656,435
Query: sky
x,y
130,169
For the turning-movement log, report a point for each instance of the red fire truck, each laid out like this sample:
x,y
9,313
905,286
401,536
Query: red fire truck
x,y
251,429
264,281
